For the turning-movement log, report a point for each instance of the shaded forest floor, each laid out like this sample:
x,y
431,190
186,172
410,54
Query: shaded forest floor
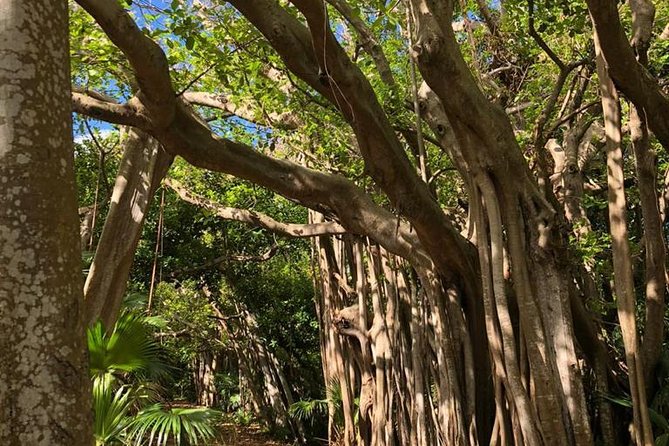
x,y
232,434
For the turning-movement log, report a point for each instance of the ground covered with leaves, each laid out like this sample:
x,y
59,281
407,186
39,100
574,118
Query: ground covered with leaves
x,y
232,434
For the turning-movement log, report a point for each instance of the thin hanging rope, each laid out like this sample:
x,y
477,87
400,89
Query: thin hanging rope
x,y
101,163
95,204
416,106
156,251
162,235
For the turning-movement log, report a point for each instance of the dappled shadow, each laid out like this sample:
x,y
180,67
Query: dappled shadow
x,y
232,434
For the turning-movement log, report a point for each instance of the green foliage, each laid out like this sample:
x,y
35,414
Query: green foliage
x,y
185,309
658,409
112,413
128,348
243,417
160,426
316,410
307,410
129,353
95,62
227,385
660,422
591,247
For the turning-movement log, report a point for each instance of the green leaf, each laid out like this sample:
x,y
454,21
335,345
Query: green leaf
x,y
128,348
173,425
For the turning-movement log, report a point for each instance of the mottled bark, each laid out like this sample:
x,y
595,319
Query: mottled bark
x,y
44,385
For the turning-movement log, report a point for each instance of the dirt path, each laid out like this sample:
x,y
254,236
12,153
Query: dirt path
x,y
251,435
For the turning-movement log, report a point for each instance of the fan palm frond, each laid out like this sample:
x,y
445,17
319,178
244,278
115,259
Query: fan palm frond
x,y
129,348
112,414
156,425
307,410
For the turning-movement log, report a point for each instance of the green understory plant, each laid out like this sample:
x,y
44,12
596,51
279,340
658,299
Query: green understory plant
x,y
125,365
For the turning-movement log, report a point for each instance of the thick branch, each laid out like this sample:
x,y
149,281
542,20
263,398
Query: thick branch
x,y
256,218
316,56
145,56
356,211
188,136
631,78
122,114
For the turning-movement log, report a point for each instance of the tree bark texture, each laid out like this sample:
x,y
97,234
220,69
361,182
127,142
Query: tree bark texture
x,y
44,385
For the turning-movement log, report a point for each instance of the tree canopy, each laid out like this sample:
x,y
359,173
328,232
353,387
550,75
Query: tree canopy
x,y
425,222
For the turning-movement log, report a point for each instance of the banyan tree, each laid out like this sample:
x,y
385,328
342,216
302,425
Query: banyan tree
x,y
449,153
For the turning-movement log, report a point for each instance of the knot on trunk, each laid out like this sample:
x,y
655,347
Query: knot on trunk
x,y
346,321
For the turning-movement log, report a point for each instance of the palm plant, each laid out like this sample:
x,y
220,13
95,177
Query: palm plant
x,y
316,411
155,425
127,349
659,421
308,410
122,362
112,414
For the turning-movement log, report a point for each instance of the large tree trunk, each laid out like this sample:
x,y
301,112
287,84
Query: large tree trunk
x,y
44,385
519,239
142,168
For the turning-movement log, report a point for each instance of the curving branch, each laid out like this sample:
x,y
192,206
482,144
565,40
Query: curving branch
x,y
257,219
314,55
629,76
246,111
222,260
145,56
180,130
